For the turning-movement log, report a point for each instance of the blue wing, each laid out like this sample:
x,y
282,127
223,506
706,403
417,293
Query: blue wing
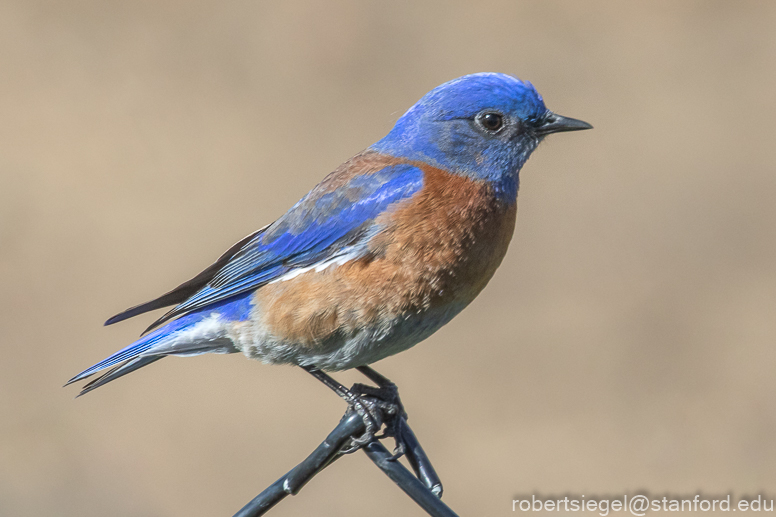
x,y
335,218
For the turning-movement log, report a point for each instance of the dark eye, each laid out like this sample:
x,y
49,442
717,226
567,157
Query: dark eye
x,y
491,121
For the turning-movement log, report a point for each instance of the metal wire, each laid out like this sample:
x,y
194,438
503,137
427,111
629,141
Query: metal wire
x,y
425,489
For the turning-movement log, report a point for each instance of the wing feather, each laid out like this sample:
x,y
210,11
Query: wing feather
x,y
186,289
337,217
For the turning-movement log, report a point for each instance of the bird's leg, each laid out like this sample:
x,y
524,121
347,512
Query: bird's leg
x,y
386,390
397,426
388,394
369,409
378,405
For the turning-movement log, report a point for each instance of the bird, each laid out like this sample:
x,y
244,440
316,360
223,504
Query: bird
x,y
378,256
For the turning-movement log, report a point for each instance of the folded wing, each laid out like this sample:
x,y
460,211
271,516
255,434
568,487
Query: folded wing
x,y
335,219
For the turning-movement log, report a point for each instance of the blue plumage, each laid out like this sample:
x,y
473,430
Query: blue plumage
x,y
441,129
235,309
322,225
319,227
476,131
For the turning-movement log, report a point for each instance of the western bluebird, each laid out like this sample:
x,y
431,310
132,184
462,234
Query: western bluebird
x,y
383,252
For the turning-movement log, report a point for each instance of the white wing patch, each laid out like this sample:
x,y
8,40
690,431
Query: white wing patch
x,y
320,266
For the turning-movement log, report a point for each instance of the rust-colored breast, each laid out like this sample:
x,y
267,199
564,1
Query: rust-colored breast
x,y
440,247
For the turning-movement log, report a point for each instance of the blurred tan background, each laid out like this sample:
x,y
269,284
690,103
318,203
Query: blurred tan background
x,y
626,343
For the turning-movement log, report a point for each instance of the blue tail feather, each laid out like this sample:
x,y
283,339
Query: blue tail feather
x,y
158,343
119,371
138,347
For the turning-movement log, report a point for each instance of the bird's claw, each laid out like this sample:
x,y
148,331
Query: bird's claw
x,y
378,406
398,451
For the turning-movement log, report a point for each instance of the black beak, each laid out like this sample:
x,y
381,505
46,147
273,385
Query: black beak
x,y
552,123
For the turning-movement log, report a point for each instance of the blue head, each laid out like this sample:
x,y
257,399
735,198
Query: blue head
x,y
484,126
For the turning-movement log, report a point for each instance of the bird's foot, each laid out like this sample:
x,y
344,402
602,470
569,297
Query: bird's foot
x,y
378,406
